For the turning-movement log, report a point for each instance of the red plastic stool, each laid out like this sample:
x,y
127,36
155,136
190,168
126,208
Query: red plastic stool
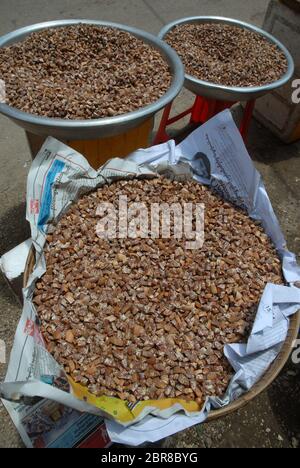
x,y
202,110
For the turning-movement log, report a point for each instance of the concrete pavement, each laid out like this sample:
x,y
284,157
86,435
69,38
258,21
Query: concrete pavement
x,y
272,419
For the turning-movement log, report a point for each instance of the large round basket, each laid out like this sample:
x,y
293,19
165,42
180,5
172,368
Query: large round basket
x,y
264,382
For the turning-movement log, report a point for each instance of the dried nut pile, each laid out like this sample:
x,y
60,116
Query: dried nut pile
x,y
82,72
147,318
227,55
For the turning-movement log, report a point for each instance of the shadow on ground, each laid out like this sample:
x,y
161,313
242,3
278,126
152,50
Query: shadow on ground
x,y
284,399
14,228
260,142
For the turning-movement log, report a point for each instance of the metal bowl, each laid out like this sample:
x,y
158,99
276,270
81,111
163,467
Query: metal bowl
x,y
231,93
95,128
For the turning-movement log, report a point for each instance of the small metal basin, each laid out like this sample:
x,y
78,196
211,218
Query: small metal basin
x,y
231,93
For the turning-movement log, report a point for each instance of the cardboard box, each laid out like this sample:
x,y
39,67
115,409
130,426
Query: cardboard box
x,y
277,111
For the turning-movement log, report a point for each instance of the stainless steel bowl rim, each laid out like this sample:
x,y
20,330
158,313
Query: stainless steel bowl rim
x,y
235,89
144,112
